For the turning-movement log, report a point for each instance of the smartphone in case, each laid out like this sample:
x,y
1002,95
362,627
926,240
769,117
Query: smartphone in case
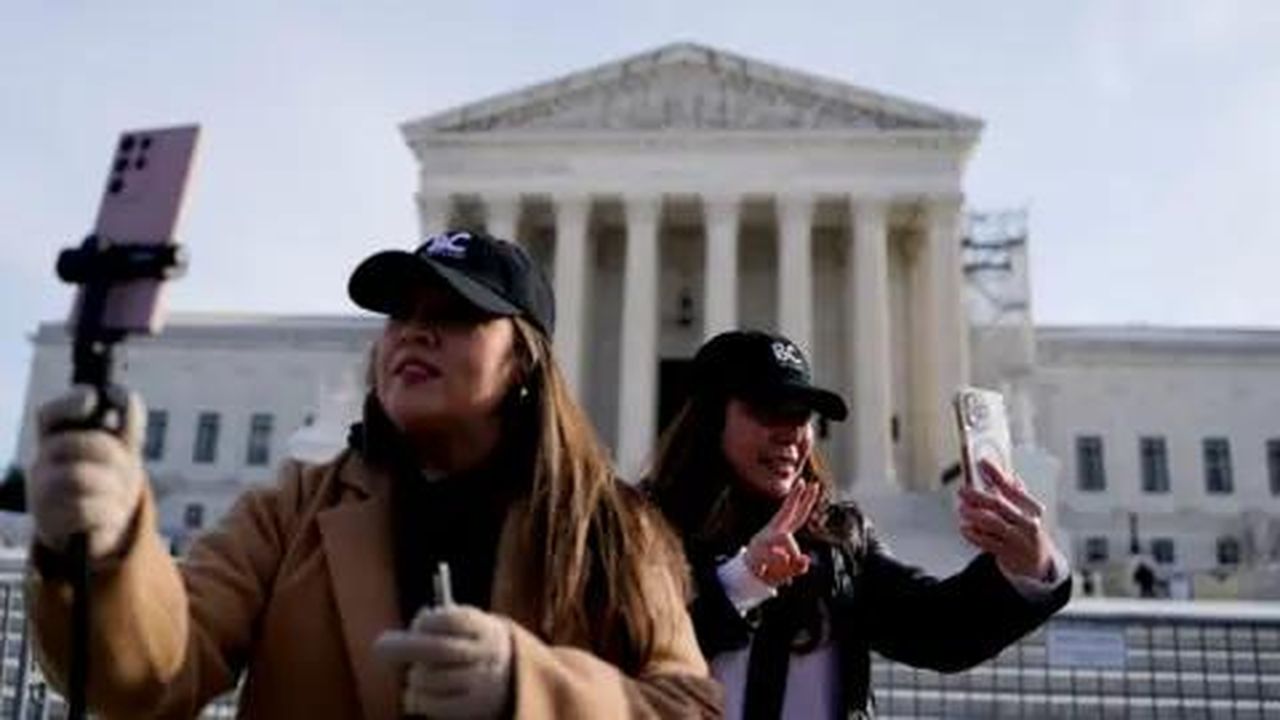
x,y
141,204
984,433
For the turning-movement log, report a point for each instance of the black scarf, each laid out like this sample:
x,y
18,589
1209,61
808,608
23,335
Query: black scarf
x,y
456,519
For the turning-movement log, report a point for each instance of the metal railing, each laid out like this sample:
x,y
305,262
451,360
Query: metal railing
x,y
1111,659
1095,659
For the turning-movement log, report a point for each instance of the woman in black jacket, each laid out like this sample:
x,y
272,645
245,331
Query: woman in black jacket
x,y
795,590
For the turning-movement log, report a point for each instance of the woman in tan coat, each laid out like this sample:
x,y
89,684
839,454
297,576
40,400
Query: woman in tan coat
x,y
317,590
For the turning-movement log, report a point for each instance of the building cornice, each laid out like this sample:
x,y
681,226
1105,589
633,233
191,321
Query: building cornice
x,y
1151,339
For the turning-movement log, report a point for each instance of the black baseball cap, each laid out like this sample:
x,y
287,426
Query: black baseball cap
x,y
762,368
496,276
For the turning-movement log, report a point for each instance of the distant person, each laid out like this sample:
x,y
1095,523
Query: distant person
x,y
793,590
1144,577
471,452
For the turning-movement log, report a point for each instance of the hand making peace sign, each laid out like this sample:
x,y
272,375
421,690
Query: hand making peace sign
x,y
773,555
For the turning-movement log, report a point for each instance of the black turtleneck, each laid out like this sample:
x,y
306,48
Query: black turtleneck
x,y
456,519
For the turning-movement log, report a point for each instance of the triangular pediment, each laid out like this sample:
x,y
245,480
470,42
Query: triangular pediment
x,y
691,87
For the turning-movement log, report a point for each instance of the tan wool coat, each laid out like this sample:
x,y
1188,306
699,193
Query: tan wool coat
x,y
291,589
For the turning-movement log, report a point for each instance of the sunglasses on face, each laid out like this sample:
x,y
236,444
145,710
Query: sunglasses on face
x,y
784,413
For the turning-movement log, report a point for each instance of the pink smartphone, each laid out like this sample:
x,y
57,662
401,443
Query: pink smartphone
x,y
984,433
141,204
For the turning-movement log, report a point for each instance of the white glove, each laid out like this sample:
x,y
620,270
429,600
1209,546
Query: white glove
x,y
459,663
87,481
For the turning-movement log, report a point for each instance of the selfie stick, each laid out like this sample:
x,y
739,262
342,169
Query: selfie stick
x,y
119,279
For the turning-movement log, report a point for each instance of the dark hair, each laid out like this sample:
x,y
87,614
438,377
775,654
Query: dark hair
x,y
692,483
694,486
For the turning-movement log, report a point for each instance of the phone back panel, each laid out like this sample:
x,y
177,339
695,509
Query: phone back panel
x,y
141,203
984,432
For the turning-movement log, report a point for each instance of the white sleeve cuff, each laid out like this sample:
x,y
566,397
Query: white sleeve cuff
x,y
1040,588
740,585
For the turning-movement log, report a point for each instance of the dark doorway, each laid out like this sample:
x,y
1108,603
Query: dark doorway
x,y
674,377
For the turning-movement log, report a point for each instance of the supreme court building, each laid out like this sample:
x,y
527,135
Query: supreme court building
x,y
686,191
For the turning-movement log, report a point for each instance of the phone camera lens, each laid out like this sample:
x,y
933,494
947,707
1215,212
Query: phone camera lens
x,y
121,165
146,142
126,143
116,186
140,163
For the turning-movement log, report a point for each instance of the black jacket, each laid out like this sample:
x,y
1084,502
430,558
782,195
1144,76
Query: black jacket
x,y
877,602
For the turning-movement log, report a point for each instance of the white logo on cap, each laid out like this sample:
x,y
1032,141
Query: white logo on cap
x,y
452,245
788,354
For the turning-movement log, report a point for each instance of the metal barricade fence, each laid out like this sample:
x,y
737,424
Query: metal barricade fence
x,y
1096,659
1111,658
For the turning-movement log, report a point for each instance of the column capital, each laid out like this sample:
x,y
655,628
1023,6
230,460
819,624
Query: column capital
x,y
501,203
871,201
502,215
944,202
795,201
432,202
720,205
642,207
571,202
425,198
434,211
571,196
499,197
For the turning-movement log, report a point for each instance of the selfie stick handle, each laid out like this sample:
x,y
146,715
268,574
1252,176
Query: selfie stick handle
x,y
98,265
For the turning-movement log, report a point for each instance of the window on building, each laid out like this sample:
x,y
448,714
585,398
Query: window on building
x,y
259,450
1162,550
157,426
1228,551
1154,454
193,516
1090,470
1273,465
1217,466
206,447
1096,550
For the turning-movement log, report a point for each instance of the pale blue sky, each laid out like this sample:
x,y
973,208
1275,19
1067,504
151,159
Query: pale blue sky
x,y
1144,136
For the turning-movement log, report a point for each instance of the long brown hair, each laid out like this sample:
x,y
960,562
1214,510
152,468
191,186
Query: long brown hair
x,y
589,535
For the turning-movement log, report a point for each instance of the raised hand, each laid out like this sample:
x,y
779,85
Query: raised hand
x,y
773,555
1007,524
86,481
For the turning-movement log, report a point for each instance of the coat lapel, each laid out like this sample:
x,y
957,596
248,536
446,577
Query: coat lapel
x,y
357,547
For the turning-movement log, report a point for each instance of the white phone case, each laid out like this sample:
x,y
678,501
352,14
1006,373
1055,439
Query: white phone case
x,y
984,433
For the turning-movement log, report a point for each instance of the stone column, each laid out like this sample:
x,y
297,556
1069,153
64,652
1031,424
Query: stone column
x,y
502,216
434,213
946,228
940,342
637,401
720,283
572,227
795,269
868,279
